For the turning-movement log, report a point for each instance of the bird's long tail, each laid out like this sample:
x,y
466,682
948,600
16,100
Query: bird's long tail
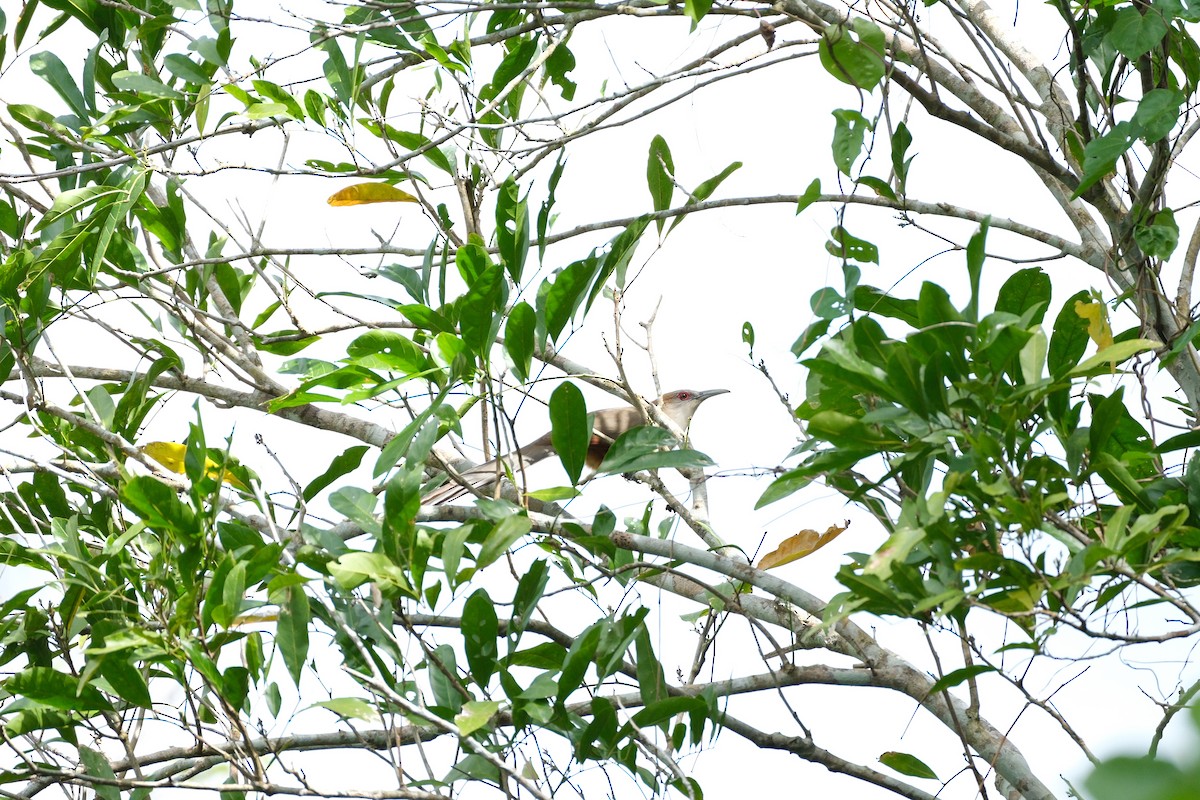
x,y
486,474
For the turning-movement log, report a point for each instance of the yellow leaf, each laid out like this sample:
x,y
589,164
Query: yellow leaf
x,y
801,544
361,193
1097,318
171,455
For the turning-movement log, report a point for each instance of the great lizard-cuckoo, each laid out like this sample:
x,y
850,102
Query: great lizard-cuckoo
x,y
607,425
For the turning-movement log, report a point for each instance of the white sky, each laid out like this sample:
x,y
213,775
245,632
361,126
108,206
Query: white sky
x,y
715,272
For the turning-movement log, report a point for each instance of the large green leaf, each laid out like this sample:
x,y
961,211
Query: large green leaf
x,y
660,176
570,428
480,627
643,448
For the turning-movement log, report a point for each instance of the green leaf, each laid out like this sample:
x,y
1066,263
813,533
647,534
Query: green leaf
x,y
848,247
1134,33
570,431
1114,354
519,338
1134,778
1070,339
159,506
385,349
351,708
96,765
443,679
642,448
871,300
954,678
556,67
696,10
856,59
474,715
811,195
347,462
1024,290
976,254
579,657
1157,113
529,591
907,764
186,69
660,176
480,627
57,690
1159,237
651,682
278,96
479,307
850,128
291,632
558,301
901,140
620,253
72,201
145,85
357,504
512,228
51,69
705,190
503,536
353,569
877,185
1101,154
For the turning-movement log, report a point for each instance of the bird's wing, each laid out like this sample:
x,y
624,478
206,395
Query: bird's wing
x,y
485,474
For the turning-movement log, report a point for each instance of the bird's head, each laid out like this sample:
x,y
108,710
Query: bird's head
x,y
681,404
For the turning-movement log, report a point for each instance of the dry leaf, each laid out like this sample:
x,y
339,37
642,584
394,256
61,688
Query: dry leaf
x,y
361,193
767,31
798,546
1097,318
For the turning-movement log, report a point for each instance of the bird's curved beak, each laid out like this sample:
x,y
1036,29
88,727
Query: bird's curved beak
x,y
707,393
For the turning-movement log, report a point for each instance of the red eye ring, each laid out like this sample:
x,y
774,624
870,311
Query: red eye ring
x,y
684,395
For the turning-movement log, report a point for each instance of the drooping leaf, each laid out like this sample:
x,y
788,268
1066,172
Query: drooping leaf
x,y
291,633
854,53
1096,314
660,176
799,545
519,338
569,428
850,129
1069,340
364,193
480,628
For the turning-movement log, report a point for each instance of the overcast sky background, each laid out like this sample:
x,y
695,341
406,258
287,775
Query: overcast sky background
x,y
717,271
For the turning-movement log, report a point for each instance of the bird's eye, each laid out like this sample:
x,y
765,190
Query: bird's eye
x,y
684,395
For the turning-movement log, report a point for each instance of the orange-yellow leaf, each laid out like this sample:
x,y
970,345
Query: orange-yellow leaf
x,y
798,546
1096,315
361,193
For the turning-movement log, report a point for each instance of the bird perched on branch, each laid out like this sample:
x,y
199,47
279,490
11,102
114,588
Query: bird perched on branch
x,y
607,425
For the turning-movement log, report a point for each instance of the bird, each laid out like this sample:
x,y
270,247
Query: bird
x,y
607,425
